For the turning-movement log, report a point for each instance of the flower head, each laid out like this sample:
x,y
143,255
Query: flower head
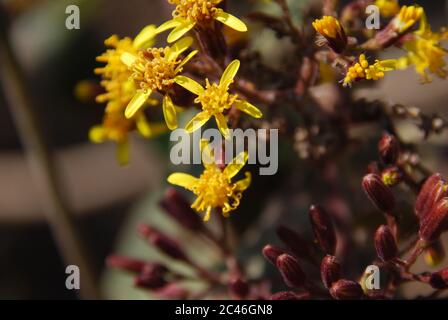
x,y
214,188
331,29
215,100
388,8
363,70
189,13
407,18
153,70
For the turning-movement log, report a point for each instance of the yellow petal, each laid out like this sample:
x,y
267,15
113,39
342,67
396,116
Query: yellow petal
x,y
221,121
248,108
208,214
180,31
179,47
136,103
198,121
207,155
183,180
230,21
146,37
123,153
243,184
143,126
185,61
97,134
236,165
169,112
189,84
128,59
173,23
230,73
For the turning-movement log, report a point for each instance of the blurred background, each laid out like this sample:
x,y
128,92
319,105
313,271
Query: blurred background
x,y
106,199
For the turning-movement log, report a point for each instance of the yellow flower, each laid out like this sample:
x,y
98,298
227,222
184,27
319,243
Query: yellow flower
x,y
215,100
155,70
330,28
407,18
119,92
363,70
425,52
214,188
188,13
388,8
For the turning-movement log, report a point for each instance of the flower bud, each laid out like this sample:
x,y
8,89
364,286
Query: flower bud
x,y
439,279
271,253
434,254
291,271
385,244
435,221
330,271
332,33
287,295
180,210
391,176
238,288
323,229
434,189
380,194
164,243
294,242
125,263
388,149
151,277
346,290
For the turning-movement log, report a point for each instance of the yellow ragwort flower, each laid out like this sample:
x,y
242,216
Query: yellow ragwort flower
x,y
388,8
119,92
407,18
331,29
425,52
153,70
188,13
215,100
363,70
214,188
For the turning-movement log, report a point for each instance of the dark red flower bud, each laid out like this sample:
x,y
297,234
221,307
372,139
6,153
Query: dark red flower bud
x,y
272,252
434,189
385,244
439,279
288,295
380,194
151,277
346,290
295,243
125,263
323,229
291,271
164,243
330,271
388,149
238,288
435,221
180,210
391,176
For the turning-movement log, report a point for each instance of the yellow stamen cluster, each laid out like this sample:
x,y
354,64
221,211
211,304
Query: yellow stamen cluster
x,y
363,70
388,8
215,99
153,70
407,18
195,10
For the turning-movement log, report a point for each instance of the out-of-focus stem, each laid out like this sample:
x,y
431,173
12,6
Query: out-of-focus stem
x,y
42,167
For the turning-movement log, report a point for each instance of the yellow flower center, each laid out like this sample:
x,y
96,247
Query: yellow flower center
x,y
328,27
214,189
153,70
115,74
215,99
408,17
388,8
195,10
364,70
